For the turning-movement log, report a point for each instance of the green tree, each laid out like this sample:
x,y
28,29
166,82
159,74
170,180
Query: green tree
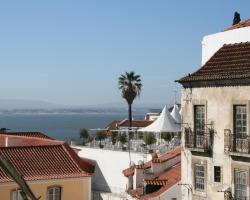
x,y
149,139
166,136
122,138
84,134
101,135
114,137
130,86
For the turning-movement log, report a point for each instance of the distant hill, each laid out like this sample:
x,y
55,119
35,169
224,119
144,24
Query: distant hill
x,y
11,104
21,106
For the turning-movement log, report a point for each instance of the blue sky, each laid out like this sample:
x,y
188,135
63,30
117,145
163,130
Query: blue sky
x,y
71,52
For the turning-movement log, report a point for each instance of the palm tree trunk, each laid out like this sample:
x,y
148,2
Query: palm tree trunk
x,y
129,129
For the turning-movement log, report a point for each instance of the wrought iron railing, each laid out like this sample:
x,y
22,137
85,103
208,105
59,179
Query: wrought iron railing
x,y
237,144
199,141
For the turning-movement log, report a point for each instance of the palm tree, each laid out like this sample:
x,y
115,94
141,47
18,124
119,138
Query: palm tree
x,y
130,86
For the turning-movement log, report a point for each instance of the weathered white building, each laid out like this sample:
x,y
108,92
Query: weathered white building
x,y
216,119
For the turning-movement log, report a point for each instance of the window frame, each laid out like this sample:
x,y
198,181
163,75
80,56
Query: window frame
x,y
235,184
54,187
199,178
240,134
19,196
199,130
215,176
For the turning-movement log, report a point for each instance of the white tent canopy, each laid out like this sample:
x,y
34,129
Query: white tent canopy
x,y
176,114
164,123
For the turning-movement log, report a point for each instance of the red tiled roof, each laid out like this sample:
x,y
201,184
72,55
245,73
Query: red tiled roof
x,y
27,134
113,125
241,24
40,159
167,179
136,123
129,172
173,176
16,140
168,156
146,165
164,158
156,182
232,61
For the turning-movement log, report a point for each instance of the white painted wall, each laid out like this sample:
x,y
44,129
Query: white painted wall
x,y
110,167
212,43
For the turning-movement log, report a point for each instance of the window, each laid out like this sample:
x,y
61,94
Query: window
x,y
240,121
240,184
54,193
217,174
16,194
199,125
200,177
199,119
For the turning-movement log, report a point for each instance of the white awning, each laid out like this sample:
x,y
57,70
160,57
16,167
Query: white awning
x,y
164,123
176,114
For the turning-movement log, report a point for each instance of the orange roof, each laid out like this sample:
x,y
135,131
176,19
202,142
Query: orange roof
x,y
168,156
128,172
167,179
230,62
164,158
172,177
113,125
241,24
136,123
41,159
27,134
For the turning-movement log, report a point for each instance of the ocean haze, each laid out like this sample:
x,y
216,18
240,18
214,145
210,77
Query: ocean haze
x,y
13,104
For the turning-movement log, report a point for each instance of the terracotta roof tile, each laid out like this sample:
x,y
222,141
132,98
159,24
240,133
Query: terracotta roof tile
x,y
136,123
241,24
168,156
164,158
232,61
167,179
129,171
113,125
172,177
16,140
41,158
27,134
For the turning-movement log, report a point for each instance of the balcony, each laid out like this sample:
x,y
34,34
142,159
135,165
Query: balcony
x,y
237,146
198,142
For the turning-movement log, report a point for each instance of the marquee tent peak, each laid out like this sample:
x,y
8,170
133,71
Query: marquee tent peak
x,y
164,123
176,114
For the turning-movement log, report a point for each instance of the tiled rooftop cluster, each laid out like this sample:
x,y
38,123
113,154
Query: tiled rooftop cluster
x,y
168,178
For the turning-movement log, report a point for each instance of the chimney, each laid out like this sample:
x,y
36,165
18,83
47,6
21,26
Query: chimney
x,y
6,141
236,18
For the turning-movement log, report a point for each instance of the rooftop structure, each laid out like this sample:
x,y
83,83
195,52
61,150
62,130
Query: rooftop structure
x,y
37,158
215,116
157,178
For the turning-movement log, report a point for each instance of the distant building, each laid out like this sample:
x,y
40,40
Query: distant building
x,y
215,114
123,125
51,168
156,179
